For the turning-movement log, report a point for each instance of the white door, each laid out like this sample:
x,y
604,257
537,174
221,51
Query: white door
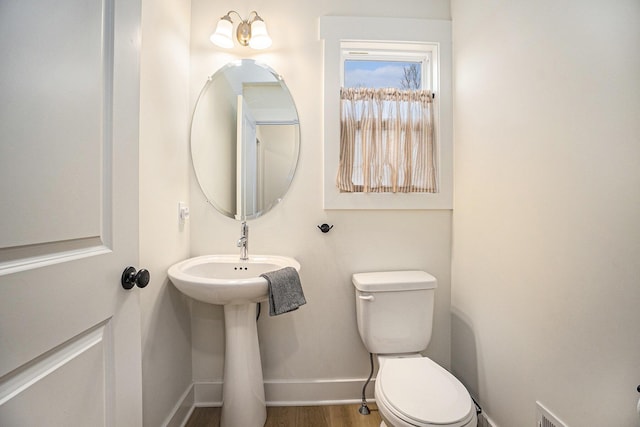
x,y
69,97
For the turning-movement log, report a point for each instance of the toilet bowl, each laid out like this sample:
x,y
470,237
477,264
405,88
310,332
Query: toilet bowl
x,y
394,311
417,392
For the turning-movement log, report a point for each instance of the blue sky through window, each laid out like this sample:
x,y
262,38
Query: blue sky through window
x,y
376,74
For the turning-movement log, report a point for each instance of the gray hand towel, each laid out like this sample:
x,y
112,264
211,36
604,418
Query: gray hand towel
x,y
285,290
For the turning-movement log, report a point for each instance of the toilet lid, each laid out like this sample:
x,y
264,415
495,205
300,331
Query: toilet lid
x,y
421,391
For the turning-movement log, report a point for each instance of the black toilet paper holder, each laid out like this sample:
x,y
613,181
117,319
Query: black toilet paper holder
x,y
325,228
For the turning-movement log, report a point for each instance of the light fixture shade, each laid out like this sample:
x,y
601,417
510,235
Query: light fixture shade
x,y
222,36
259,37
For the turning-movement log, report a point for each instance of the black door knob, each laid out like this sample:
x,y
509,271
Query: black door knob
x,y
131,278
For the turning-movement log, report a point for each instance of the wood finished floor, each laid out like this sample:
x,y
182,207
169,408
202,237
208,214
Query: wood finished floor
x,y
298,416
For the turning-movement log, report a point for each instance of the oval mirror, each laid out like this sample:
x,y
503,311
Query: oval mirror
x,y
245,139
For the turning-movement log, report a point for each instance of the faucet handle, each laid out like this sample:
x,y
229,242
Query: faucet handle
x,y
243,242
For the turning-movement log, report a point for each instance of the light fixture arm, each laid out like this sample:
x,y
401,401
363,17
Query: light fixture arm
x,y
222,36
255,18
249,19
228,16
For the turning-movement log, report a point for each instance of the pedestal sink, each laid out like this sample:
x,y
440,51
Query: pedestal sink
x,y
236,284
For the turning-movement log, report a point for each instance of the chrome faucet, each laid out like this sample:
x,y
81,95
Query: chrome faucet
x,y
243,241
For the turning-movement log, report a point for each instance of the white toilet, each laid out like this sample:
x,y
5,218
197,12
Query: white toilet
x,y
395,317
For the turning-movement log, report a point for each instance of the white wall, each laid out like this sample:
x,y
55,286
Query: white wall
x,y
217,118
164,172
546,247
319,341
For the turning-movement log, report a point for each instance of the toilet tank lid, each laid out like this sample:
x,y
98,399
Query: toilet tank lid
x,y
388,281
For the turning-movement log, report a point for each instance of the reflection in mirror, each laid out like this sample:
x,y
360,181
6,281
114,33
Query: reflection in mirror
x,y
245,139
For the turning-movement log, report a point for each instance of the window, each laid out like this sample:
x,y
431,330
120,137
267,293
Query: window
x,y
405,66
387,135
387,55
379,74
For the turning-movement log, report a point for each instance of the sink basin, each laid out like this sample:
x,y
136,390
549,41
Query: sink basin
x,y
225,279
237,285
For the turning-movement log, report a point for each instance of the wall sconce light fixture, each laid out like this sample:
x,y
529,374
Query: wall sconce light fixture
x,y
251,32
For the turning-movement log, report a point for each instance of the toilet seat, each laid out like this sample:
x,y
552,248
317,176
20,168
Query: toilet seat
x,y
422,393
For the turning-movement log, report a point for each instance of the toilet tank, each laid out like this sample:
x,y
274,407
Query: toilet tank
x,y
394,310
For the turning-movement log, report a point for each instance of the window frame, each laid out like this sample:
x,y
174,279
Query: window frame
x,y
374,50
399,32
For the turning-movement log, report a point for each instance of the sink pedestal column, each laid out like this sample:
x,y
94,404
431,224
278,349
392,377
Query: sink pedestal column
x,y
243,402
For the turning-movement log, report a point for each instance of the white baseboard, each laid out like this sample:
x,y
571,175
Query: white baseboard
x,y
293,392
316,392
283,393
485,421
340,391
208,393
182,410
